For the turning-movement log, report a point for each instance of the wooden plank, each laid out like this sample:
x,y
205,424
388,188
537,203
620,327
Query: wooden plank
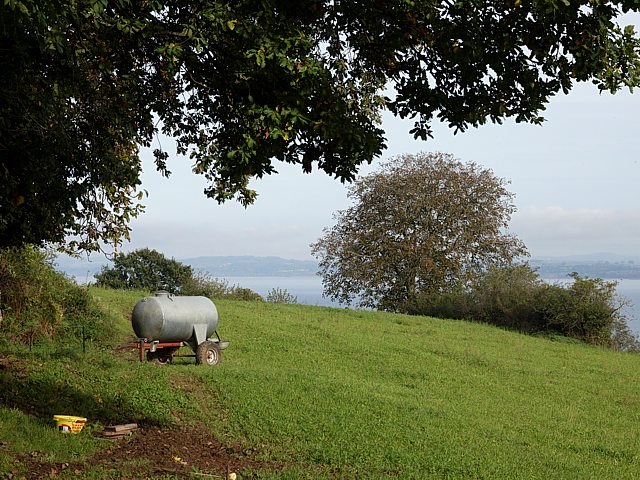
x,y
121,428
126,426
114,434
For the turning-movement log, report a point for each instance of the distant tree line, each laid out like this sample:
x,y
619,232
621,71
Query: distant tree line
x,y
144,269
36,302
150,270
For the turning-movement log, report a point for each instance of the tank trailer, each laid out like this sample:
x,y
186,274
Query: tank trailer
x,y
164,323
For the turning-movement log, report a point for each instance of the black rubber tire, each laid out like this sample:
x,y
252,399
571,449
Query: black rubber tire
x,y
208,353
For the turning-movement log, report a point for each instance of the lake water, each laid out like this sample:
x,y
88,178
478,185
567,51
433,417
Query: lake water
x,y
631,290
309,292
307,289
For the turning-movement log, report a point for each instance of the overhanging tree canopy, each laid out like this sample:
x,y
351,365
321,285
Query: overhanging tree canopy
x,y
238,84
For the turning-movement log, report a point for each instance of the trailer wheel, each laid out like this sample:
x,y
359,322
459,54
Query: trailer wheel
x,y
207,353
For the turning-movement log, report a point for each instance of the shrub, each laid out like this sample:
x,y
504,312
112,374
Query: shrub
x,y
622,338
144,269
201,283
278,295
241,293
588,309
515,297
454,304
505,297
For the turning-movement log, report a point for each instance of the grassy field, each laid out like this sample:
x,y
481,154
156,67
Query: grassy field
x,y
330,393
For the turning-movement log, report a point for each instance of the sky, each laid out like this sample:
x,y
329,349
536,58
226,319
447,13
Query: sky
x,y
576,181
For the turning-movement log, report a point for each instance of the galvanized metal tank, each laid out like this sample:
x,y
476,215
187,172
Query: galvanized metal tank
x,y
167,318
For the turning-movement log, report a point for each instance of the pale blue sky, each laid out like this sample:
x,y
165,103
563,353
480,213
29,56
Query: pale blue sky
x,y
576,180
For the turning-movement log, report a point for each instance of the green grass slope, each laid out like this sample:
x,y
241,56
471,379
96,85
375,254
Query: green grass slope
x,y
350,394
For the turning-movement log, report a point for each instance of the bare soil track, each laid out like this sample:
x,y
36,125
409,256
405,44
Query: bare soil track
x,y
149,452
153,453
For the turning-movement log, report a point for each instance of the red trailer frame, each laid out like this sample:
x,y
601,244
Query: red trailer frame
x,y
144,346
208,352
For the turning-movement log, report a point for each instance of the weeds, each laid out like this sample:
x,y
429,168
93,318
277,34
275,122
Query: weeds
x,y
278,295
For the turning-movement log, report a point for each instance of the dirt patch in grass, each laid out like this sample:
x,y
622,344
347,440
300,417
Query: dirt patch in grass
x,y
149,452
152,453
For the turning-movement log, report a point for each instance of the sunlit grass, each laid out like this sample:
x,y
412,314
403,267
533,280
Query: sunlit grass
x,y
118,304
352,394
40,438
380,394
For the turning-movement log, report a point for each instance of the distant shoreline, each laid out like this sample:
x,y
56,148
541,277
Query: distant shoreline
x,y
604,270
252,266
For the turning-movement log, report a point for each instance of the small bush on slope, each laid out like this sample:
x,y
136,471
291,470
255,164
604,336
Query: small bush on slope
x,y
201,283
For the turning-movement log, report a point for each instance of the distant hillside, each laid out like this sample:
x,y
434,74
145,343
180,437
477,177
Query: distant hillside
x,y
602,266
83,269
248,266
561,268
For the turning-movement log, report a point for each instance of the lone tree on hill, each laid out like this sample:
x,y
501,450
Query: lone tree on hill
x,y
421,224
145,269
237,84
